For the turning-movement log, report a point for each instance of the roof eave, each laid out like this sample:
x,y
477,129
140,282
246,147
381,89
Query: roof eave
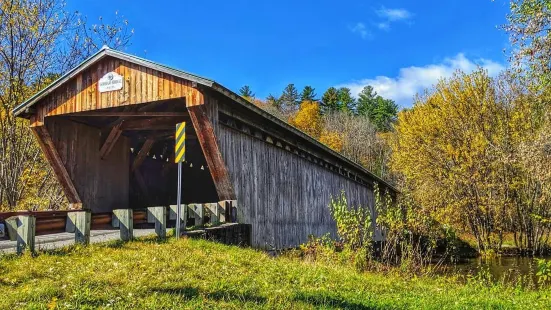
x,y
62,79
228,93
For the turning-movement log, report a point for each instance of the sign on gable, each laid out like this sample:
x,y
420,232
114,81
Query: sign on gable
x,y
110,81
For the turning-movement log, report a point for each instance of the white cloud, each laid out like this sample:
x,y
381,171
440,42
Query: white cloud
x,y
394,14
384,26
361,30
413,80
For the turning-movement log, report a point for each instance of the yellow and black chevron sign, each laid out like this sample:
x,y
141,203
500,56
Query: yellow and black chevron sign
x,y
180,143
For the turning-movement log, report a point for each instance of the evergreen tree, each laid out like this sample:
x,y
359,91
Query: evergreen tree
x,y
273,101
380,111
308,94
347,103
246,92
330,100
289,100
367,101
385,114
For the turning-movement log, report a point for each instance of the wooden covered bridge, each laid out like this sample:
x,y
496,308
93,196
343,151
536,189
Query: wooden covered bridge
x,y
107,129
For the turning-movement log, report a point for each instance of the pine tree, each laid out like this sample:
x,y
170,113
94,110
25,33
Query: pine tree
x,y
347,103
273,101
246,92
380,111
330,101
367,101
308,94
290,99
385,114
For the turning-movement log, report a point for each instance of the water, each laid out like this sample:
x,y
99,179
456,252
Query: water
x,y
507,269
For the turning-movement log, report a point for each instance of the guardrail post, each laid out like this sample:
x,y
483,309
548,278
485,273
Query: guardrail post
x,y
212,210
83,221
22,229
223,207
196,210
159,216
124,220
11,224
236,213
173,215
70,222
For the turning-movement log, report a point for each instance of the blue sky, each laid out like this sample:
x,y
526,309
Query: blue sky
x,y
399,47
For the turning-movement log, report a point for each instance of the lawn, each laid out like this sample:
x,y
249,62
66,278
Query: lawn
x,y
191,274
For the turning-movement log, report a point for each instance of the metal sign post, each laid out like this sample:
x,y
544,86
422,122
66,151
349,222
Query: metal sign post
x,y
179,157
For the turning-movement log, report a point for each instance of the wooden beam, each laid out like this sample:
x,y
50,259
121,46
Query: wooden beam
x,y
99,113
148,144
207,140
111,140
47,145
151,123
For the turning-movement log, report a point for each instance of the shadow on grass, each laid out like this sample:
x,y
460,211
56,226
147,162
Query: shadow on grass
x,y
327,300
188,293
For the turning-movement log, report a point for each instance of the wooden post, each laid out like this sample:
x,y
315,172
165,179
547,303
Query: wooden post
x,y
183,214
71,222
83,221
159,215
123,218
196,211
212,210
236,213
223,206
22,227
11,224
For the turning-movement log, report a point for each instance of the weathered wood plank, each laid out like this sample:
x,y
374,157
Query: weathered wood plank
x,y
110,141
207,140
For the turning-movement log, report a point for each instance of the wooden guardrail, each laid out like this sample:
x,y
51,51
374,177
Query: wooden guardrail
x,y
23,226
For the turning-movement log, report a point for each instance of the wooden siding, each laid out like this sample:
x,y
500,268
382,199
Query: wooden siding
x,y
102,185
141,85
284,196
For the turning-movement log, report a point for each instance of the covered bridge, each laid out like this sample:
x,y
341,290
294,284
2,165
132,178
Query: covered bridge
x,y
107,129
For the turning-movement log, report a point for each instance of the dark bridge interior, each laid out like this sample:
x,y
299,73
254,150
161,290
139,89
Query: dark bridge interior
x,y
149,129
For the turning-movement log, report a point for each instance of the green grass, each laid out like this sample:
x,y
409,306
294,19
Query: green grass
x,y
191,274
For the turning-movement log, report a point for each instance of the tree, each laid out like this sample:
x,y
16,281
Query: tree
x,y
308,94
367,101
273,101
347,103
529,25
382,112
356,138
330,100
39,40
246,93
308,118
461,151
289,100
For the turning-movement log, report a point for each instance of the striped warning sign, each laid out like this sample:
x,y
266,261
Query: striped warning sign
x,y
180,143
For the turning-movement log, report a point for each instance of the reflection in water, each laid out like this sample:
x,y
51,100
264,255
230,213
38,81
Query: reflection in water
x,y
506,269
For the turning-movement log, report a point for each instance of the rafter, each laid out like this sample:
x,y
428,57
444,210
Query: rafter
x,y
148,144
111,140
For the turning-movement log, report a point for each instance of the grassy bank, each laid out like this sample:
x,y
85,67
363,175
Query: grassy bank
x,y
199,274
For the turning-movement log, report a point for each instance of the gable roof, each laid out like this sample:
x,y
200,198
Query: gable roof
x,y
105,51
